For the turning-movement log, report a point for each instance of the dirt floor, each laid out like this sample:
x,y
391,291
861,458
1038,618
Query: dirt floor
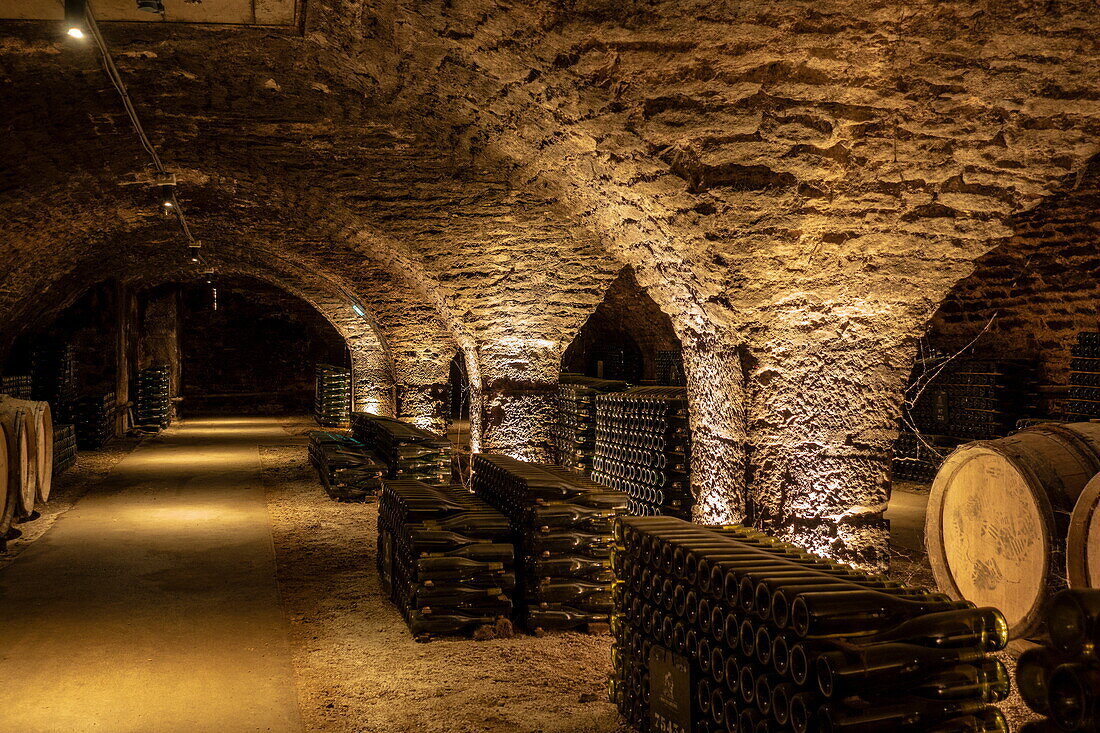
x,y
91,467
358,667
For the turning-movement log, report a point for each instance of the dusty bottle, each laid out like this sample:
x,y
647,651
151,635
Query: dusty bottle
x,y
1074,694
1033,671
856,668
908,714
1074,621
859,612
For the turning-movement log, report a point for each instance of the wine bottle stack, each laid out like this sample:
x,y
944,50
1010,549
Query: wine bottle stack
x,y
348,471
64,447
670,368
332,396
1083,401
445,558
726,629
408,451
154,398
643,444
918,457
93,418
1061,680
19,386
574,432
53,373
561,526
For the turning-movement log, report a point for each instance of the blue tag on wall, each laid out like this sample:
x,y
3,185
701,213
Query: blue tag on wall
x,y
669,692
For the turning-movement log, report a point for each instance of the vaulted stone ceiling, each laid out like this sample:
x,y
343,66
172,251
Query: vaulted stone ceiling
x,y
796,184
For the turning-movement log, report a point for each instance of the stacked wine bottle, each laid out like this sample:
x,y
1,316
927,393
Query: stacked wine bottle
x,y
445,559
727,629
562,529
574,432
93,417
153,397
642,447
64,447
1061,680
18,386
1084,379
348,471
332,396
53,372
408,451
670,368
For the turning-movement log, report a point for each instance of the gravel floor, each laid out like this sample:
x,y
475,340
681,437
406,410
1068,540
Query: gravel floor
x,y
360,670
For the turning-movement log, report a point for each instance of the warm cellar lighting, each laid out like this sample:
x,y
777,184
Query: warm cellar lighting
x,y
74,18
150,6
166,190
193,250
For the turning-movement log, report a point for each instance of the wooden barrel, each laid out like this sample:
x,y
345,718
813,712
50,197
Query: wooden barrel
x,y
1083,542
43,449
19,420
7,498
998,517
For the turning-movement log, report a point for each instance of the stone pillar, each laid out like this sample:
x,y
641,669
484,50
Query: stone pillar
x,y
424,405
371,378
716,394
159,338
825,393
125,326
518,389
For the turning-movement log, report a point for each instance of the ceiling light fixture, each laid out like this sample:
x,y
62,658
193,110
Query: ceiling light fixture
x,y
193,249
166,190
75,18
150,6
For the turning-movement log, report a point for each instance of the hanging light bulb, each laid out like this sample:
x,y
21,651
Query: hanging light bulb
x,y
166,190
193,250
75,14
150,6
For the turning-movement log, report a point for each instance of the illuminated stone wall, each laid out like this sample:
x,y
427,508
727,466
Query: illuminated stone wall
x,y
796,185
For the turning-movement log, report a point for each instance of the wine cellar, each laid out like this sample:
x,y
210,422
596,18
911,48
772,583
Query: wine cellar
x,y
616,366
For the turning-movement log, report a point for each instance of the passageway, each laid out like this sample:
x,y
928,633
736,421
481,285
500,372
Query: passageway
x,y
153,604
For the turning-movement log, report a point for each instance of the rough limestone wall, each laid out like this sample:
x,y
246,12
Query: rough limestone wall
x,y
813,177
625,310
1030,297
159,336
280,150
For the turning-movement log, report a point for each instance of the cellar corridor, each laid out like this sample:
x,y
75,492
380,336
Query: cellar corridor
x,y
153,604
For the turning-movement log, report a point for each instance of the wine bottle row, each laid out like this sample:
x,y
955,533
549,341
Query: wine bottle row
x,y
971,398
93,417
1083,401
1061,680
727,629
18,386
64,447
445,558
332,396
918,457
348,471
153,398
561,526
408,451
643,444
53,372
574,431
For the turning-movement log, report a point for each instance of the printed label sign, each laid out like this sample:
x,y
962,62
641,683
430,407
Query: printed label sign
x,y
669,692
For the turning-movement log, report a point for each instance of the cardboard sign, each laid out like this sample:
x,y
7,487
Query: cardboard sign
x,y
669,692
